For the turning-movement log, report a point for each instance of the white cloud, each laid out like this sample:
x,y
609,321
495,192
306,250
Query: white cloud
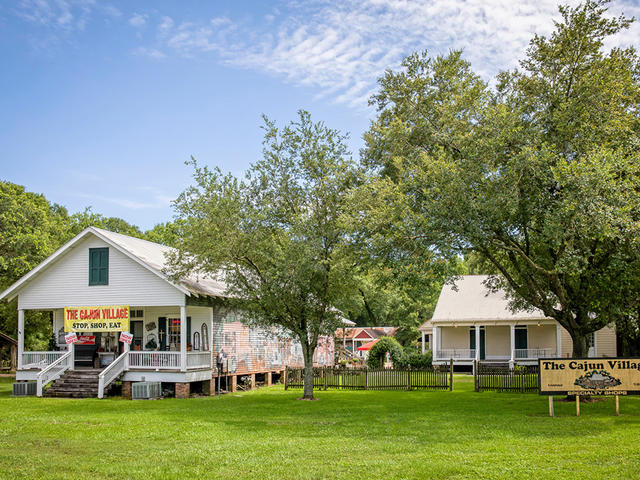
x,y
341,48
149,52
60,15
165,25
138,20
337,48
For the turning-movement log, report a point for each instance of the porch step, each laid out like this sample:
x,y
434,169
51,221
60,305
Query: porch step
x,y
75,384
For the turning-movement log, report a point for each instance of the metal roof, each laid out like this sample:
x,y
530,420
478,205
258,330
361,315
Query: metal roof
x,y
469,299
153,255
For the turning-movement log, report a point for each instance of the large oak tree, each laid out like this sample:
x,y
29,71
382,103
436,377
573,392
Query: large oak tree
x,y
538,176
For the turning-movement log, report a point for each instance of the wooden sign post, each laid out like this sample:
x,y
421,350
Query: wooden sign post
x,y
551,413
577,405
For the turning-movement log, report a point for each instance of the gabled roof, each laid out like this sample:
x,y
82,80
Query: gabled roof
x,y
363,334
147,254
469,299
366,332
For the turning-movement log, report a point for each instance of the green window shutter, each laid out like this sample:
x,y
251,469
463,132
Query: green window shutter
x,y
189,330
521,338
98,266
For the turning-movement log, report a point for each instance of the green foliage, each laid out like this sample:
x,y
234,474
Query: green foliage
x,y
538,178
31,229
413,358
379,351
168,233
276,236
407,334
87,218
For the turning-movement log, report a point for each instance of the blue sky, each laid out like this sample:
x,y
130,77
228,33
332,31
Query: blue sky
x,y
102,102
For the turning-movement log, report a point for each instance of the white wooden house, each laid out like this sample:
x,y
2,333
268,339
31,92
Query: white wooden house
x,y
471,322
178,327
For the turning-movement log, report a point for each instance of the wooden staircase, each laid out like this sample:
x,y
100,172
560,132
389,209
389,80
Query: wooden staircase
x,y
81,383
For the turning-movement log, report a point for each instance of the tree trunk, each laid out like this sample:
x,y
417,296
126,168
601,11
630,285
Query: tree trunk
x,y
580,344
307,351
580,350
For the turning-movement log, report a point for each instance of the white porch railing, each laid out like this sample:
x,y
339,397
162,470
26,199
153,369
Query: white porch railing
x,y
461,353
155,360
39,359
112,372
198,359
521,353
53,371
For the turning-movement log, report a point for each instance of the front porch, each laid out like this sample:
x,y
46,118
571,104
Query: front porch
x,y
179,336
521,344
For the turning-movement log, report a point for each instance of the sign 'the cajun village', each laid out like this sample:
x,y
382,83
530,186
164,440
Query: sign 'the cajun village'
x,y
590,376
114,318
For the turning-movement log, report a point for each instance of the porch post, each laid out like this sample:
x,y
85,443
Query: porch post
x,y
477,342
20,337
183,338
423,345
211,362
558,341
344,340
72,348
512,345
125,350
434,347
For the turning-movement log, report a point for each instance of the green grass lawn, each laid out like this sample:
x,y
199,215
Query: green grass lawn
x,y
346,434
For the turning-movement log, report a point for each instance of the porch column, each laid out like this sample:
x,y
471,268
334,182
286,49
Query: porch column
x,y
125,350
72,348
558,341
344,340
183,338
436,339
423,346
477,342
20,337
512,345
211,360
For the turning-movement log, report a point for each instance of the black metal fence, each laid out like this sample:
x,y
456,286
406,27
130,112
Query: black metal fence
x,y
521,378
374,379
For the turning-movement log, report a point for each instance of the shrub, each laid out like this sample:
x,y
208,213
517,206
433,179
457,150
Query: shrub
x,y
380,349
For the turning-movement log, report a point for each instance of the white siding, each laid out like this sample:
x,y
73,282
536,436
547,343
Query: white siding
x,y
605,342
66,283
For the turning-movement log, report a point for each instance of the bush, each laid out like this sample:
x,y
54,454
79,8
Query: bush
x,y
380,349
413,358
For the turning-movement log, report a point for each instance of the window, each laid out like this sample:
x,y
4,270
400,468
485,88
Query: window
x,y
205,337
98,266
174,333
136,313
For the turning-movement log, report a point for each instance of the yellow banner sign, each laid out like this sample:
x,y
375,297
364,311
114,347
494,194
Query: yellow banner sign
x,y
590,376
114,318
